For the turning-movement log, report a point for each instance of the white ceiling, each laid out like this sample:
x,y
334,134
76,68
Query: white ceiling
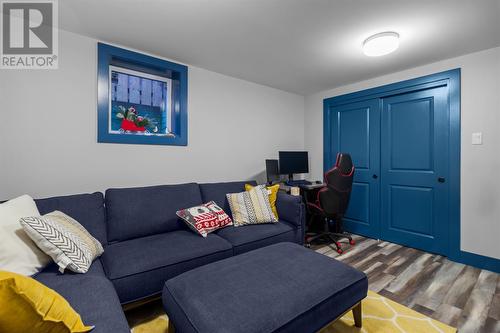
x,y
301,46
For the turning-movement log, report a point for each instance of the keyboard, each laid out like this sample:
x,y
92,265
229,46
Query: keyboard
x,y
298,182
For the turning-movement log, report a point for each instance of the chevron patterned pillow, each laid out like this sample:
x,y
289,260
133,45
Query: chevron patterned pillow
x,y
65,240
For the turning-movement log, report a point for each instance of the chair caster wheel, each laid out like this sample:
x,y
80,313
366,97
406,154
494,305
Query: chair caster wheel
x,y
339,251
307,245
352,242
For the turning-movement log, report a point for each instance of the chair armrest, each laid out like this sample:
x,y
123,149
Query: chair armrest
x,y
291,209
314,209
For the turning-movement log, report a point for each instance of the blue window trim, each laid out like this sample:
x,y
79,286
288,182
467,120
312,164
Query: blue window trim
x,y
111,55
450,78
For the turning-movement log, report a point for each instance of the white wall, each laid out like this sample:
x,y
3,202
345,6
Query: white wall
x,y
480,165
48,130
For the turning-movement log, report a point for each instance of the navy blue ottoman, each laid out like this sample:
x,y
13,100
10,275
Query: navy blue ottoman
x,y
279,288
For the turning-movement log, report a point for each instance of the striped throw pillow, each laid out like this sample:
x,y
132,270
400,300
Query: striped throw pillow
x,y
251,207
65,240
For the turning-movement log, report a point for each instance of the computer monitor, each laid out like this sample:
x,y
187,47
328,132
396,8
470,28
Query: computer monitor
x,y
272,171
291,162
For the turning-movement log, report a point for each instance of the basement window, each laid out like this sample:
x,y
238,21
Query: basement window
x,y
149,96
141,99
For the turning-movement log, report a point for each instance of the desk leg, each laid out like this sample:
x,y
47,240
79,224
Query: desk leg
x,y
357,314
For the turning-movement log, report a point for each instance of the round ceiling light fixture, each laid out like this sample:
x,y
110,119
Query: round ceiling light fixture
x,y
381,44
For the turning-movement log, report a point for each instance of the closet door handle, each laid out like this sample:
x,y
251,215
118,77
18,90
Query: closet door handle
x,y
441,179
374,176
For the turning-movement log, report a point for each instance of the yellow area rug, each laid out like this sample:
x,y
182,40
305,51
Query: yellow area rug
x,y
380,315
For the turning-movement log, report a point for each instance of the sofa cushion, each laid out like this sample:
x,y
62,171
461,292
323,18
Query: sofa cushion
x,y
139,267
279,288
249,237
91,295
143,211
87,209
217,192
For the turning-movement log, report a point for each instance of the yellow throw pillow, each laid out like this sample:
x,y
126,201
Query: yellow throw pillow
x,y
26,305
273,194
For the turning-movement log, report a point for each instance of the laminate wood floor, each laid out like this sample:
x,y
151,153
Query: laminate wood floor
x,y
459,295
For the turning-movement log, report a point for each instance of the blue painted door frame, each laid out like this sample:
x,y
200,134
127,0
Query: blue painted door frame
x,y
450,80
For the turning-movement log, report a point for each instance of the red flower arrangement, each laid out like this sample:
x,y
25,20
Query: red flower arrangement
x,y
131,122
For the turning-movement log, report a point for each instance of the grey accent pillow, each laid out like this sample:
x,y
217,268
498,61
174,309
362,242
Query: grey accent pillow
x,y
65,240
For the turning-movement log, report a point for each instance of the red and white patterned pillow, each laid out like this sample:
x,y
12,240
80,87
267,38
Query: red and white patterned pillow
x,y
205,218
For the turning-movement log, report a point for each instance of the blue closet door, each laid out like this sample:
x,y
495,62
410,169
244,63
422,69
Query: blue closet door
x,y
356,130
414,169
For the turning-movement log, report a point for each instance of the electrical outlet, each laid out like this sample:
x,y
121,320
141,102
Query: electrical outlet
x,y
477,138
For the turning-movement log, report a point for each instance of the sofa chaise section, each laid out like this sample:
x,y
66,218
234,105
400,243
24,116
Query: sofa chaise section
x,y
91,294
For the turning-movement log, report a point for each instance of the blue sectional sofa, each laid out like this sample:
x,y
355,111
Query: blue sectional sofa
x,y
145,243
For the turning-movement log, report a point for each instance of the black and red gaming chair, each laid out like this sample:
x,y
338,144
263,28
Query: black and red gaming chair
x,y
333,199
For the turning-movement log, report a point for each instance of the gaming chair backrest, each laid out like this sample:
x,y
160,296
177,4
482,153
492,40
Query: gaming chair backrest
x,y
344,163
334,198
